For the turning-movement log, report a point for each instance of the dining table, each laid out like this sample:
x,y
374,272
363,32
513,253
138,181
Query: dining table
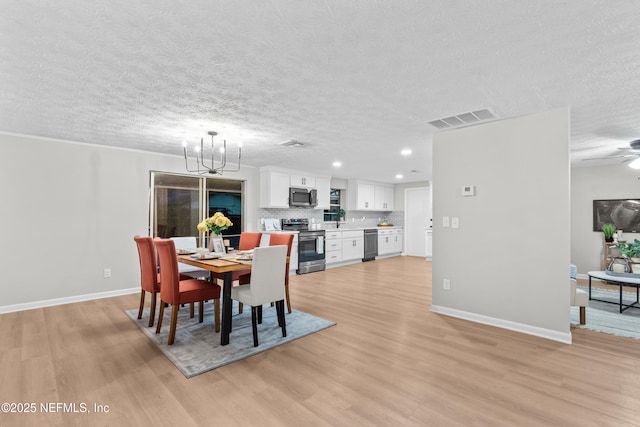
x,y
226,265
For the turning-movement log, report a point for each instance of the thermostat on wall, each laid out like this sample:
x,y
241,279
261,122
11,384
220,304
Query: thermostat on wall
x,y
468,190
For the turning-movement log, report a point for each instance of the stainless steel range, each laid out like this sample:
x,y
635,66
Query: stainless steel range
x,y
311,245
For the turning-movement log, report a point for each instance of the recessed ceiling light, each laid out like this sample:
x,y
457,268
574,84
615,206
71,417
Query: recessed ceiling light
x,y
337,164
406,152
399,176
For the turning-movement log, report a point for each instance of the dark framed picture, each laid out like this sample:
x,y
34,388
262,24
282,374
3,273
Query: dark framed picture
x,y
623,213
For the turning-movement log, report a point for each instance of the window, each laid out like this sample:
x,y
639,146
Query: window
x,y
180,202
333,213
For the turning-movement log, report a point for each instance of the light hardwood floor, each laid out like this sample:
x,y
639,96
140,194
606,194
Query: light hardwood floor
x,y
389,361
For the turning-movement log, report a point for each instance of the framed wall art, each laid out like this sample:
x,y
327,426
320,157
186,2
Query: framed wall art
x,y
623,213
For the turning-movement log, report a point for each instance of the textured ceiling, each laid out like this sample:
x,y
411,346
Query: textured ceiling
x,y
357,81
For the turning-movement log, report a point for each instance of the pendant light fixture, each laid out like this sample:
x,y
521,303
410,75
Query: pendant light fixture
x,y
203,168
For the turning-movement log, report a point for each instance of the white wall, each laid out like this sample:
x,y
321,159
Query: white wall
x,y
508,262
70,210
596,183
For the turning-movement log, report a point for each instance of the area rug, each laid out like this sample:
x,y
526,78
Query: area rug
x,y
606,318
197,346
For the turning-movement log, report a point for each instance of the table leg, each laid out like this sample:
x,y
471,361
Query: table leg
x,y
589,288
620,298
226,309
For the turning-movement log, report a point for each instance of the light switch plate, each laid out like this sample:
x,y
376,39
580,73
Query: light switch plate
x,y
445,221
455,222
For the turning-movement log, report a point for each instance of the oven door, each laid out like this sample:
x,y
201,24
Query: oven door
x,y
311,247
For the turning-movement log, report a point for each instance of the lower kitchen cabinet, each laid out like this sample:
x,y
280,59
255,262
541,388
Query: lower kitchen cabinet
x,y
333,247
352,245
389,241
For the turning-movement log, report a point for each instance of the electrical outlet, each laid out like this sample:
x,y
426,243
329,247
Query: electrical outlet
x,y
446,284
107,273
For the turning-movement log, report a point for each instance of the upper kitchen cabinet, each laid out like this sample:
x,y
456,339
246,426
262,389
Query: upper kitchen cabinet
x,y
367,196
360,195
383,198
274,189
323,188
303,181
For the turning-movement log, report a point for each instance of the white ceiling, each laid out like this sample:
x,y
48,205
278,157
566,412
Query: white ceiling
x,y
356,80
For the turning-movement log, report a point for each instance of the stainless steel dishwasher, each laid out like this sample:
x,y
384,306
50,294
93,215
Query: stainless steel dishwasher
x,y
370,244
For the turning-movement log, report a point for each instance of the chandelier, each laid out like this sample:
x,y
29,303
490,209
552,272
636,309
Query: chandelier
x,y
203,168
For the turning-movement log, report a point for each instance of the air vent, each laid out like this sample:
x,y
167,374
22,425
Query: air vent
x,y
464,119
292,143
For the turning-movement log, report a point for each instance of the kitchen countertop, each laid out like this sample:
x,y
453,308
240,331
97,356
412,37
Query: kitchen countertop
x,y
391,227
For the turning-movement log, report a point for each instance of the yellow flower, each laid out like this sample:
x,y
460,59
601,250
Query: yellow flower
x,y
215,223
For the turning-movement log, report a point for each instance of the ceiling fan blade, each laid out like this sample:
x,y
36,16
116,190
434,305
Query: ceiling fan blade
x,y
612,157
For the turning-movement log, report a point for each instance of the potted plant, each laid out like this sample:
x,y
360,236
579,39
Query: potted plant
x,y
608,230
630,250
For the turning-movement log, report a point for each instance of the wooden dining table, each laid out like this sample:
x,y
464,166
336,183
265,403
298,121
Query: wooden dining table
x,y
225,266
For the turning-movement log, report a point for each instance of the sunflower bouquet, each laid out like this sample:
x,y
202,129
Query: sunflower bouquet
x,y
215,224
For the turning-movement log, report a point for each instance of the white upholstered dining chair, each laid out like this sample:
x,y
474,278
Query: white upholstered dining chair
x,y
266,285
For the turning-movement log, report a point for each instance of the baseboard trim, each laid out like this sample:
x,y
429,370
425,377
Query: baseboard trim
x,y
549,334
66,300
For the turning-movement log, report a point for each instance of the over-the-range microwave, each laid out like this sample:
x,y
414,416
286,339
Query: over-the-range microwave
x,y
303,197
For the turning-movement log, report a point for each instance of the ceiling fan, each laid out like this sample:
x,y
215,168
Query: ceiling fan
x,y
630,154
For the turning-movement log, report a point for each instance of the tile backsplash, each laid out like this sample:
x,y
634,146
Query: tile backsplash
x,y
354,219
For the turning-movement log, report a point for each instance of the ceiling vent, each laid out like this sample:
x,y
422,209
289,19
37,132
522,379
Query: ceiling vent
x,y
292,143
464,119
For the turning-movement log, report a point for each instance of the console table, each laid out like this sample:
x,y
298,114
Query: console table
x,y
620,281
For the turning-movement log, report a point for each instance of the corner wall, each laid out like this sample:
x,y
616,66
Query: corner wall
x,y
508,261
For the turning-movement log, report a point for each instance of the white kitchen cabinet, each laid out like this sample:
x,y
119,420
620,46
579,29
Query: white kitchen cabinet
x,y
384,242
368,196
389,241
274,189
352,245
303,181
360,195
323,187
397,240
333,247
383,198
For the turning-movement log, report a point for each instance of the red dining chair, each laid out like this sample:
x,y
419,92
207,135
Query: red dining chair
x,y
248,241
149,277
286,240
176,292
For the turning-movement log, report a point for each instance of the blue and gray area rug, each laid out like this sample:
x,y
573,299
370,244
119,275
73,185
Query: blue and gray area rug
x,y
606,318
197,346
